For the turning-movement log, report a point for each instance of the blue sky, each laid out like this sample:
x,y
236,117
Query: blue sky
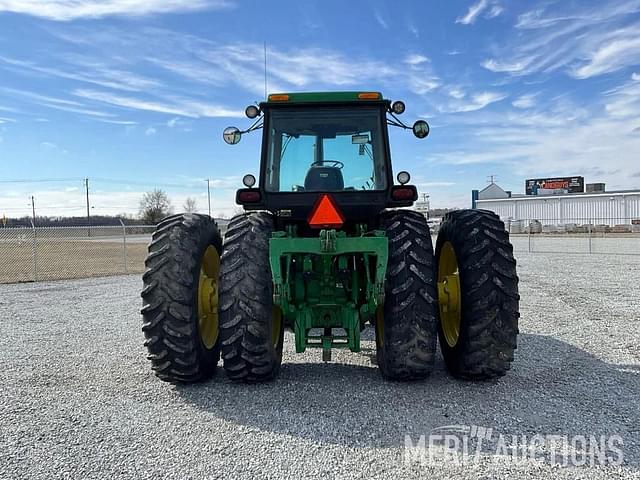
x,y
140,91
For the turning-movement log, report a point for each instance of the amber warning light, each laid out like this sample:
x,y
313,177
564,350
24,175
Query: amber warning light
x,y
325,214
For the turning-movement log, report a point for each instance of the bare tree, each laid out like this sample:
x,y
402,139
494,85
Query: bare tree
x,y
190,205
154,206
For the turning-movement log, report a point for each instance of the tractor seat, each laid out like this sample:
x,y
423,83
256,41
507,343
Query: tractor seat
x,y
323,179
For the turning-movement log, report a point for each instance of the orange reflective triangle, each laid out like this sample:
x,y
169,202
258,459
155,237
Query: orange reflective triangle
x,y
325,213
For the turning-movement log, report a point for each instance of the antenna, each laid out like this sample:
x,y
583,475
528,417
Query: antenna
x,y
265,70
492,178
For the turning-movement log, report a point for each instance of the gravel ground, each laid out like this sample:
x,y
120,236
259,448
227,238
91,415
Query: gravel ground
x,y
78,400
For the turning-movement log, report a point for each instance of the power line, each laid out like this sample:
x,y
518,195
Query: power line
x,y
58,207
40,180
144,184
117,181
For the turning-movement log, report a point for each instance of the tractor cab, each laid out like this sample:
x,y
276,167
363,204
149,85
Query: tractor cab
x,y
334,143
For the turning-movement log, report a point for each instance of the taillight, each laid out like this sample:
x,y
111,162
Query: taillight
x,y
248,196
403,192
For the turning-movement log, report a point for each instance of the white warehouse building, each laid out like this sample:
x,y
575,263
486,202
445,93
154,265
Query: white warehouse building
x,y
615,208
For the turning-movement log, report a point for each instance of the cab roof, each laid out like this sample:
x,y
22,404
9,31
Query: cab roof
x,y
322,97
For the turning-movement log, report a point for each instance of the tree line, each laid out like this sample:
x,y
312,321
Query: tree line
x,y
154,206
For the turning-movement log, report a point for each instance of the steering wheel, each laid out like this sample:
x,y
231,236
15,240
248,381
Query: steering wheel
x,y
332,163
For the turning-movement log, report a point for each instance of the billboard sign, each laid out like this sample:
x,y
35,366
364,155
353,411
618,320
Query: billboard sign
x,y
554,186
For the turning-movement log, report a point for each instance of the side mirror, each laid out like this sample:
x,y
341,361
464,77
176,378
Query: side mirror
x,y
232,135
420,129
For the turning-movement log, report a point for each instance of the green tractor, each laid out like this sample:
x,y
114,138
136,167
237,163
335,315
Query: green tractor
x,y
325,246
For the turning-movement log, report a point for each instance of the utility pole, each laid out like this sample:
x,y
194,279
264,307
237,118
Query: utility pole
x,y
209,196
86,184
33,208
425,197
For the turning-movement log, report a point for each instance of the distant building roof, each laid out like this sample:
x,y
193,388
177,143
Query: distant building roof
x,y
492,192
520,197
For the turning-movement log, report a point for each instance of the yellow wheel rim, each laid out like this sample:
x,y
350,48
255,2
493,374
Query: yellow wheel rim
x,y
449,295
208,297
276,325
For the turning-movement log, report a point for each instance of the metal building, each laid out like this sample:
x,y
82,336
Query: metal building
x,y
615,208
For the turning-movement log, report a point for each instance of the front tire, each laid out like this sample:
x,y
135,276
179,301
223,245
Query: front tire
x,y
478,289
406,327
251,326
180,299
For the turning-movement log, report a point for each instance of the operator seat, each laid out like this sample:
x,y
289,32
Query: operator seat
x,y
323,179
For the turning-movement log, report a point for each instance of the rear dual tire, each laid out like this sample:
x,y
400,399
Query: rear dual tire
x,y
181,333
479,342
251,326
198,301
467,296
406,326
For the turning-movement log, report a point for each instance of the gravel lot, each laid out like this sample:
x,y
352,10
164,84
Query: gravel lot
x,y
78,400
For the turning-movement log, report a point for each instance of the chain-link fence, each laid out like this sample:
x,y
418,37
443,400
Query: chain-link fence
x,y
604,236
51,253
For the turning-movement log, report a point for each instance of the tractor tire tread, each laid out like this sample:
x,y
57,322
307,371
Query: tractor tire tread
x,y
490,298
246,300
410,307
169,312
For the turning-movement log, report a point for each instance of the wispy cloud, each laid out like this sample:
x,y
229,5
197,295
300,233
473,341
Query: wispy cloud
x,y
498,66
117,122
525,101
583,41
622,49
556,136
477,101
490,8
624,101
474,11
4,108
192,60
415,59
421,184
380,19
420,85
65,10
456,92
55,103
179,124
83,70
413,29
179,106
150,131
494,11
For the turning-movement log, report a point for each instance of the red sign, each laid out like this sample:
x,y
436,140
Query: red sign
x,y
325,214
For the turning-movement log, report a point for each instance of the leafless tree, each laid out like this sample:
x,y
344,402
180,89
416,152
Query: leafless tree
x,y
154,206
190,205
